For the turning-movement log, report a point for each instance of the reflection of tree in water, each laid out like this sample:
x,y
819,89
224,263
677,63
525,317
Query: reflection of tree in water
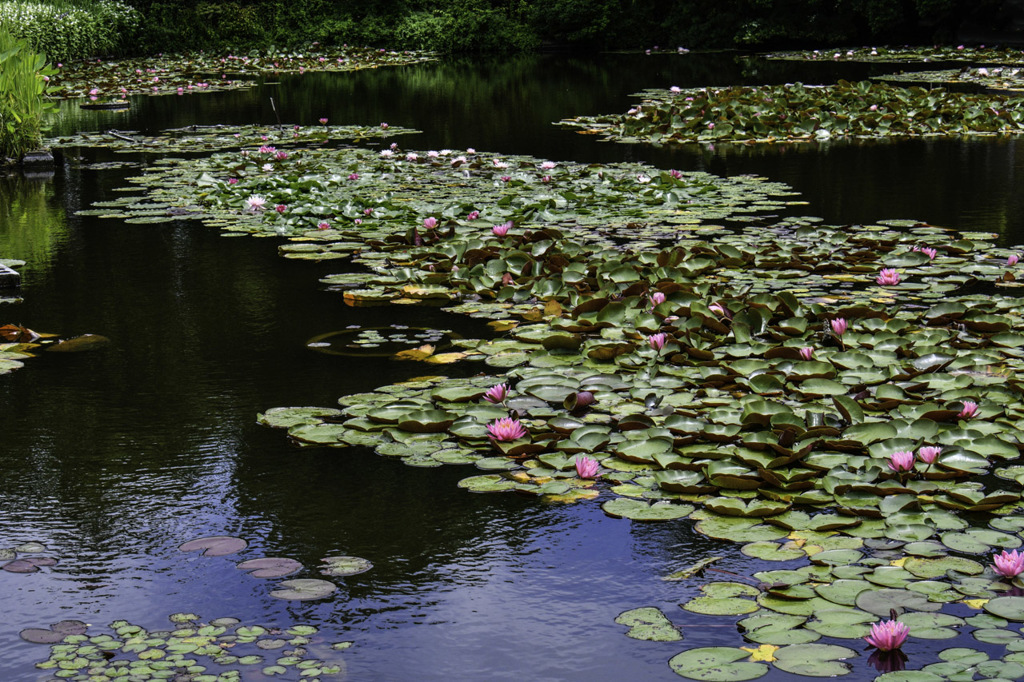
x,y
32,222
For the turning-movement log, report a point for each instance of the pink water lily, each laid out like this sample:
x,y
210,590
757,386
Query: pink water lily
x,y
929,453
969,410
838,326
1008,564
888,635
806,352
502,230
430,223
323,226
888,277
353,176
1013,259
586,467
496,394
507,429
657,298
901,461
657,341
927,250
473,215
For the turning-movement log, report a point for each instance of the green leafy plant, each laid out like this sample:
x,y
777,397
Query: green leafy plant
x,y
23,76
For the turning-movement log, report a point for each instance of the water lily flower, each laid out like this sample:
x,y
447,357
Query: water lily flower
x,y
470,150
502,230
657,298
901,460
970,409
232,181
506,178
888,277
386,153
675,88
548,165
838,326
384,126
586,467
367,211
323,121
473,215
280,208
657,341
496,394
506,429
267,167
358,221
807,352
546,178
929,453
1008,564
281,156
888,635
720,310
264,149
430,223
323,226
353,176
1013,259
499,164
256,203
94,91
678,175
433,154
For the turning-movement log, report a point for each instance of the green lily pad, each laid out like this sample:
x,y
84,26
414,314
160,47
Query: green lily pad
x,y
716,664
650,624
345,565
304,589
814,660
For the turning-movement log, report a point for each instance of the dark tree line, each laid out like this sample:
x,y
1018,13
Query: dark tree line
x,y
512,25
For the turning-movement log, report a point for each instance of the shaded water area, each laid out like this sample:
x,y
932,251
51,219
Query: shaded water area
x,y
113,459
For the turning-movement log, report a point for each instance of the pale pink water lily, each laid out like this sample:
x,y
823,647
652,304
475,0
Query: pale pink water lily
x,y
969,410
267,167
256,202
499,164
507,429
384,126
720,310
901,461
1008,564
1013,259
323,121
807,352
657,298
94,91
386,153
473,215
367,211
502,230
888,277
429,223
496,394
548,165
264,149
888,635
927,250
838,326
545,178
281,156
358,221
412,156
929,453
586,467
657,341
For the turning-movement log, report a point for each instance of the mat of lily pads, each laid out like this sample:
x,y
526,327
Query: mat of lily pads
x,y
994,78
906,53
798,112
190,73
731,365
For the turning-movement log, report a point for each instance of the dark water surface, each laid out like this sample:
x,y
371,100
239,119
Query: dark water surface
x,y
112,459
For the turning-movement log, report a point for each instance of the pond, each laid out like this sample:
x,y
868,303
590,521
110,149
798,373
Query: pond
x,y
115,458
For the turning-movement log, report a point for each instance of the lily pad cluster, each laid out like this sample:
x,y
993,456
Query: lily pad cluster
x,y
197,72
794,112
1002,79
756,385
20,559
907,53
299,589
220,650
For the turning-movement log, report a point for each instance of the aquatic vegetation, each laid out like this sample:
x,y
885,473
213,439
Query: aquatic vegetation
x,y
72,30
199,72
999,79
23,84
193,649
785,379
586,467
796,112
906,53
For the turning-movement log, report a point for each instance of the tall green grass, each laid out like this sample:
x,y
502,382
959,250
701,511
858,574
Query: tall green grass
x,y
23,74
65,30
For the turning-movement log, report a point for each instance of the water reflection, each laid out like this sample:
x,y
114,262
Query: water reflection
x,y
32,225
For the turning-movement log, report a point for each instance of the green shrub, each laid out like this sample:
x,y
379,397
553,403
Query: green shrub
x,y
64,31
23,75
